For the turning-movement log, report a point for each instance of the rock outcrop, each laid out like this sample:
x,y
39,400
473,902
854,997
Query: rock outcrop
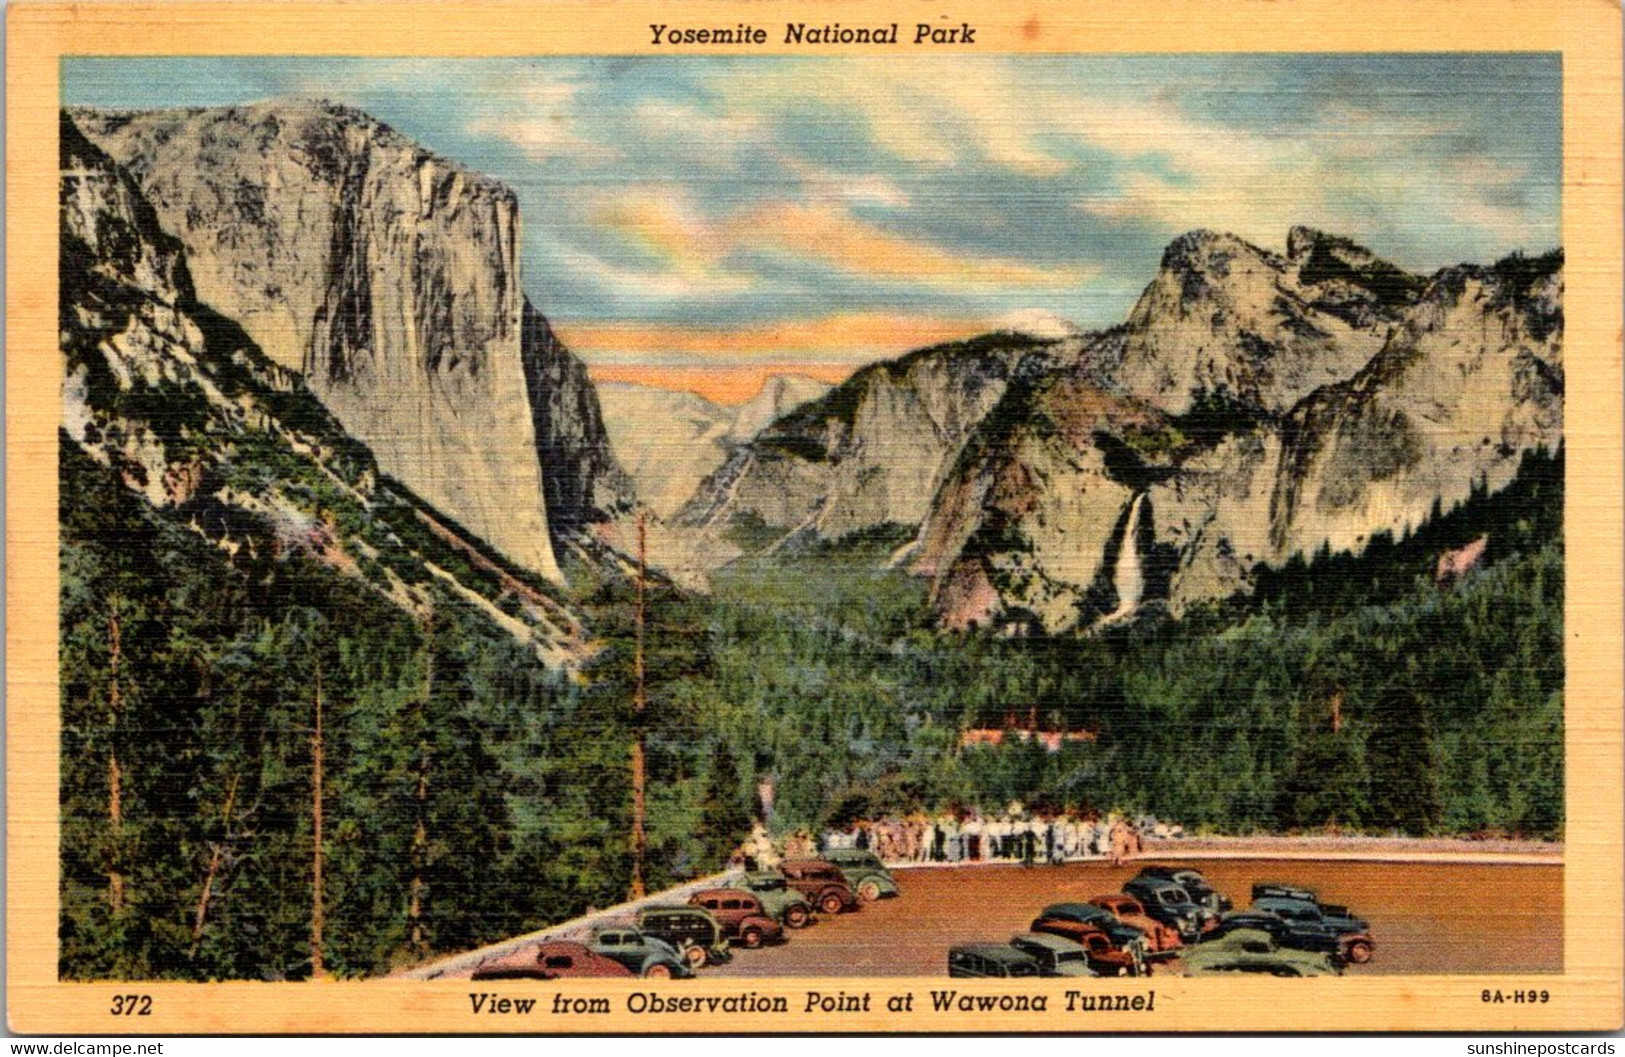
x,y
1259,407
389,278
780,394
1228,319
869,454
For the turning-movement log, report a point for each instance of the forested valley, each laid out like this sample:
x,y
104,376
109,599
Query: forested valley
x,y
214,707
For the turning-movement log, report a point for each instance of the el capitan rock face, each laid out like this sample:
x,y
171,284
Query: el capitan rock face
x,y
389,278
180,405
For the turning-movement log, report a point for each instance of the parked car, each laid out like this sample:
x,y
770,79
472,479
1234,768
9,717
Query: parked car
x,y
1275,890
783,904
647,956
1107,956
552,960
1193,882
821,882
1289,934
1090,914
990,959
1055,955
694,932
1253,951
740,914
1172,905
1160,940
864,873
1353,933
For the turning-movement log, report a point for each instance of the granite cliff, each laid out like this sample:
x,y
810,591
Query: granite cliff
x,y
1253,407
867,455
184,408
388,278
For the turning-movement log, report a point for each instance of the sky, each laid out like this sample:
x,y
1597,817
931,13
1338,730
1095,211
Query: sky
x,y
702,221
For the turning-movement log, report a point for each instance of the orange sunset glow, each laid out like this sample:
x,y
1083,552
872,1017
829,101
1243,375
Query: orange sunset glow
x,y
729,365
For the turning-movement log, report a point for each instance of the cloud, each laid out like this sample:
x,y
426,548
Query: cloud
x,y
831,235
1361,172
542,117
665,225
919,111
842,338
859,189
641,285
701,136
662,221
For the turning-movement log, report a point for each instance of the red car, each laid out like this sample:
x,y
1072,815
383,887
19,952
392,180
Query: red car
x,y
823,883
740,914
552,960
1160,939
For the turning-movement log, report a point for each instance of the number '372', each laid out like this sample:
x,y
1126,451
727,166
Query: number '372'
x,y
132,1006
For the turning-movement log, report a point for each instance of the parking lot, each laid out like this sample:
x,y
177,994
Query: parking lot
x,y
1426,917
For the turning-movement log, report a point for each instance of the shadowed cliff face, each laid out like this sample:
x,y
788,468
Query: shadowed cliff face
x,y
582,480
389,278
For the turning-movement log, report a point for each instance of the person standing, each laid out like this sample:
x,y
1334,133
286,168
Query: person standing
x,y
953,844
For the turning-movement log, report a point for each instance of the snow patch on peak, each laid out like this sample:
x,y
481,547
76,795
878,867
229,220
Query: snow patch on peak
x,y
1037,323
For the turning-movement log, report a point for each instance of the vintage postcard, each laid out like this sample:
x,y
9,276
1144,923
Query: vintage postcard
x,y
813,517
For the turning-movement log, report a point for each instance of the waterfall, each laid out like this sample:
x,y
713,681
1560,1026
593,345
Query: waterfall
x,y
1128,578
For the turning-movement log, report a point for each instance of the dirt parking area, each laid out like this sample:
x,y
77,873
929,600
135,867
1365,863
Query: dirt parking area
x,y
1444,918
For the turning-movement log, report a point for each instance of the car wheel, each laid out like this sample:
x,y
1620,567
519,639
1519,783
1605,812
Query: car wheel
x,y
831,903
695,957
869,891
751,938
657,971
1360,952
798,917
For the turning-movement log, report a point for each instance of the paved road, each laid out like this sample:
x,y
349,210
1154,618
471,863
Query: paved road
x,y
1426,917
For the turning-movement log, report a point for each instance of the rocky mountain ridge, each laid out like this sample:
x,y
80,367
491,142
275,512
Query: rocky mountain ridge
x,y
184,407
1253,406
869,454
1227,451
388,278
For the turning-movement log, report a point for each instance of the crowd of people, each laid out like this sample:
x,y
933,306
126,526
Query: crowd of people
x,y
1013,835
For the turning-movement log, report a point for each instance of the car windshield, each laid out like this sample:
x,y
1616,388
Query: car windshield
x,y
767,884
